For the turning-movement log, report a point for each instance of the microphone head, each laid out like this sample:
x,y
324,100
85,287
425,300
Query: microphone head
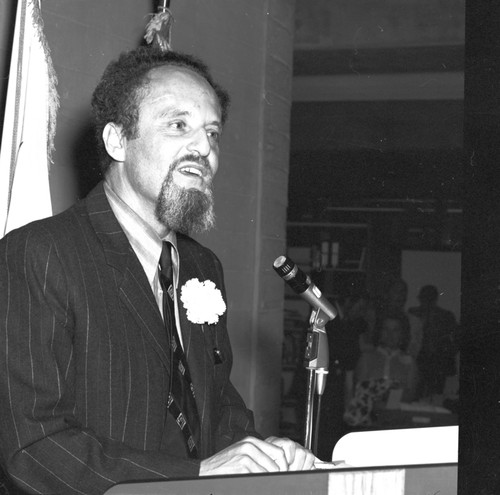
x,y
291,274
301,284
285,267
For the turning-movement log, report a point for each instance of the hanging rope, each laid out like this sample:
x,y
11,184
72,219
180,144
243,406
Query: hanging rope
x,y
159,27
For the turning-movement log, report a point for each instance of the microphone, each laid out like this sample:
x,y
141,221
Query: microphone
x,y
302,285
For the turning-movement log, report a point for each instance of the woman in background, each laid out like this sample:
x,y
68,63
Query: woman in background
x,y
378,371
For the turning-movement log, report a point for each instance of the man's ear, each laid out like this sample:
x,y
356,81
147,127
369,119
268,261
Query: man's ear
x,y
114,141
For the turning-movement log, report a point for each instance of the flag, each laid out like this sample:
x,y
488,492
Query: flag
x,y
29,123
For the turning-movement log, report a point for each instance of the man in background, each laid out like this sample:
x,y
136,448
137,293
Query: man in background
x,y
438,349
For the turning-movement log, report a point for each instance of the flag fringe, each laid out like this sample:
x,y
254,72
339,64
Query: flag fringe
x,y
53,96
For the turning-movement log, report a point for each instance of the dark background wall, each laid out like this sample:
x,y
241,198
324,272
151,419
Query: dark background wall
x,y
377,124
480,371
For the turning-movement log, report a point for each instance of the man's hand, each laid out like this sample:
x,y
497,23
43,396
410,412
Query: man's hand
x,y
252,455
298,458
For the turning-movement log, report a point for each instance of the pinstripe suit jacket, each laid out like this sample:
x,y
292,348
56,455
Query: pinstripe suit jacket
x,y
84,358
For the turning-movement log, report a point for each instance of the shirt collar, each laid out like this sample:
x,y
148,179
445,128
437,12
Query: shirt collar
x,y
144,240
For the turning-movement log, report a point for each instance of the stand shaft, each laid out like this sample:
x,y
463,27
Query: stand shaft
x,y
309,409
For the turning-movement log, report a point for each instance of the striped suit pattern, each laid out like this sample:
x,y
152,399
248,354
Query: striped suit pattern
x,y
85,360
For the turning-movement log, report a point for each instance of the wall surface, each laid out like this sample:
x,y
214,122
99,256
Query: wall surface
x,y
248,46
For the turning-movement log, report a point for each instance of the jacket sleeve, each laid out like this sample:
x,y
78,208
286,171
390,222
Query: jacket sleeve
x,y
43,446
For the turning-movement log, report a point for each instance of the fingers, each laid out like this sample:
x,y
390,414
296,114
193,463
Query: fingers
x,y
220,464
304,460
269,451
287,446
330,465
250,455
298,457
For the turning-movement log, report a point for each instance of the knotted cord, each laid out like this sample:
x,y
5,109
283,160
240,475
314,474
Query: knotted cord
x,y
158,29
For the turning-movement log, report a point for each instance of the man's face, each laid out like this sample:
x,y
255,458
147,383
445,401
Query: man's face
x,y
170,164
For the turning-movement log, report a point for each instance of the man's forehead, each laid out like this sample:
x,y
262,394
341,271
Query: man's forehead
x,y
174,74
171,81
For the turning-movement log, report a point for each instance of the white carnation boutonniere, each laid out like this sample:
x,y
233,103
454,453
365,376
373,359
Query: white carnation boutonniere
x,y
202,301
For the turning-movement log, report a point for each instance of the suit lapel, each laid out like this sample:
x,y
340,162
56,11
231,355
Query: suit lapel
x,y
134,287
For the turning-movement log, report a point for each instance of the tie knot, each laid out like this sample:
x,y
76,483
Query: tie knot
x,y
166,261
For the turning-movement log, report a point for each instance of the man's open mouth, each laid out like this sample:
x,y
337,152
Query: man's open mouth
x,y
192,170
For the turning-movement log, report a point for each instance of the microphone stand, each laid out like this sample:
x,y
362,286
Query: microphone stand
x,y
316,360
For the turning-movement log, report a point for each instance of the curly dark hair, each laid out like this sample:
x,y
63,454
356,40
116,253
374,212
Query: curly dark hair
x,y
125,83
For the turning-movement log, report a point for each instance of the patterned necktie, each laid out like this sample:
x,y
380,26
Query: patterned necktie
x,y
181,402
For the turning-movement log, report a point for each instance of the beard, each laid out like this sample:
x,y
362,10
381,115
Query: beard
x,y
185,210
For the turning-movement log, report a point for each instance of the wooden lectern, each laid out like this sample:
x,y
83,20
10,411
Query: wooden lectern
x,y
393,480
